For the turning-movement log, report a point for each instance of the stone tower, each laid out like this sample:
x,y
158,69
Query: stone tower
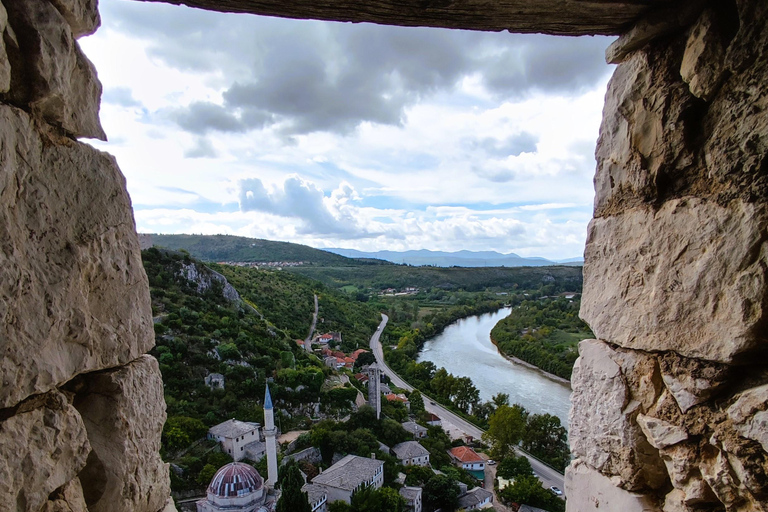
x,y
270,433
374,388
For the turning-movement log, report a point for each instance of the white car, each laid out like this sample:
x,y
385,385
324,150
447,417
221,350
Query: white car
x,y
490,462
555,490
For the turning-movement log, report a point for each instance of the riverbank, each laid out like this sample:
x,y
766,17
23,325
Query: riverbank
x,y
519,361
465,349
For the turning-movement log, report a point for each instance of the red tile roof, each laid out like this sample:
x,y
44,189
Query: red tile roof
x,y
465,454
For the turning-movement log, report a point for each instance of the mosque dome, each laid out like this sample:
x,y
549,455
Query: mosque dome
x,y
235,479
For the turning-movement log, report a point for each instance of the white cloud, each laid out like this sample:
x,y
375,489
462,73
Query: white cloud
x,y
365,137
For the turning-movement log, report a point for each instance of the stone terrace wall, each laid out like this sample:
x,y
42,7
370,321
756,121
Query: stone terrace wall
x,y
670,405
81,409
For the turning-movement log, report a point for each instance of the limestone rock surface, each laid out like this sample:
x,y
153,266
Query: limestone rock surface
x,y
74,296
82,15
124,412
661,433
677,278
703,63
603,432
5,64
204,278
750,415
53,76
43,446
587,489
67,498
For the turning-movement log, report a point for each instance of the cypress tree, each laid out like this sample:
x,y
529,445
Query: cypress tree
x,y
293,499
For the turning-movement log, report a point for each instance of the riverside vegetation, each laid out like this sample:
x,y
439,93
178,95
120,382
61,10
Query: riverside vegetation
x,y
252,337
544,332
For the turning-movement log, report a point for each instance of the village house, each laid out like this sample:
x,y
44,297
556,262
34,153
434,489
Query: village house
x,y
318,498
415,429
411,453
391,397
434,420
412,496
234,435
476,499
466,458
348,475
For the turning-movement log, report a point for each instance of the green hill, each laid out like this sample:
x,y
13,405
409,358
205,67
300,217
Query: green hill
x,y
242,249
550,280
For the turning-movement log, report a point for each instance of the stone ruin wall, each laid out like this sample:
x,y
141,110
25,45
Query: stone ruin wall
x,y
81,407
670,404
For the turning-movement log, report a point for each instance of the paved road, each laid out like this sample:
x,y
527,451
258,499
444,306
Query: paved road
x,y
451,422
308,341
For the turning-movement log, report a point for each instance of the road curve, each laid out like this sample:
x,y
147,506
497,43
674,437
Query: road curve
x,y
546,474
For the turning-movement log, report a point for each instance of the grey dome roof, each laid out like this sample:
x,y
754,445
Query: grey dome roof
x,y
235,479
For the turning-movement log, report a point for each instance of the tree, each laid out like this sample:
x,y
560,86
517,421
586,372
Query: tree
x,y
206,474
339,506
369,499
417,402
547,439
441,492
292,499
365,358
500,399
506,428
513,467
528,490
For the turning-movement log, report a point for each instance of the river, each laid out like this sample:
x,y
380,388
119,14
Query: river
x,y
464,348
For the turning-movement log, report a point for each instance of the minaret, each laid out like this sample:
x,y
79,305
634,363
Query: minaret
x,y
269,438
374,388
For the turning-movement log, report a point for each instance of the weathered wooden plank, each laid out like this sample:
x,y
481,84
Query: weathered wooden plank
x,y
558,17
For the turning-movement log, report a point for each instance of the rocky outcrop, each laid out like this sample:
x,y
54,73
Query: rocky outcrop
x,y
81,407
204,279
675,275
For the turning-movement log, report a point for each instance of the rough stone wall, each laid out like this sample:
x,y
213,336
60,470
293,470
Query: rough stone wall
x,y
670,404
81,407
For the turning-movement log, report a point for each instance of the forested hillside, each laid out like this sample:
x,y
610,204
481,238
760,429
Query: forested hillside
x,y
287,300
548,280
203,327
242,249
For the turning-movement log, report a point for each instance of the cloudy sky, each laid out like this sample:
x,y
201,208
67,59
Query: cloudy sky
x,y
351,135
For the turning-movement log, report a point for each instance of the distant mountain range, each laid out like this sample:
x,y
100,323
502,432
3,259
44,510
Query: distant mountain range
x,y
458,258
242,249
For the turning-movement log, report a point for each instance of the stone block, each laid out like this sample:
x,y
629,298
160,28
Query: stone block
x,y
691,381
689,277
603,432
43,446
749,415
5,64
68,498
643,147
56,81
587,490
74,296
660,433
124,412
82,15
703,67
